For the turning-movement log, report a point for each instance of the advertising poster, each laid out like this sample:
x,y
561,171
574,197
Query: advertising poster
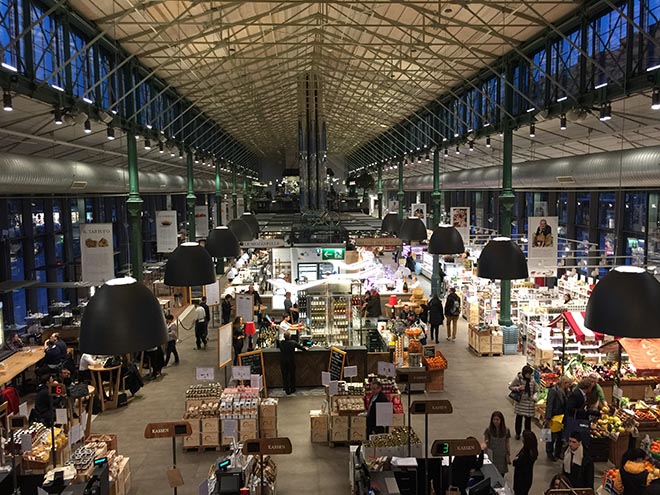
x,y
460,218
224,205
245,306
166,231
96,253
393,206
201,221
540,208
542,246
213,293
418,210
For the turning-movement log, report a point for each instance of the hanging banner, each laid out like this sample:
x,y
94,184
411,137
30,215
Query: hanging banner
x,y
460,218
418,210
96,253
240,205
213,293
245,306
166,231
201,221
393,206
224,205
542,246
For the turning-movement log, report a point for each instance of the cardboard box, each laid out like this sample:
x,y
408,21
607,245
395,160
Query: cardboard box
x,y
339,422
195,424
192,441
268,410
210,424
226,440
109,438
358,422
247,424
269,434
210,438
339,435
247,435
319,436
267,423
358,435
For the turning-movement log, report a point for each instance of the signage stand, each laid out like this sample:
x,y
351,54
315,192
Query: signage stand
x,y
169,430
266,446
408,379
455,448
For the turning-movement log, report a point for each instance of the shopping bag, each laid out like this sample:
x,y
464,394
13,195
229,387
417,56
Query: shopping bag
x,y
546,435
557,423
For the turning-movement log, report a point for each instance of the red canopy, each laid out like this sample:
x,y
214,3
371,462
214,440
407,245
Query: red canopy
x,y
644,354
575,320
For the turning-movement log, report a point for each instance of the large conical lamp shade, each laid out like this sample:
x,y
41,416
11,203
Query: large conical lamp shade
x,y
446,239
625,303
222,243
502,259
252,221
189,265
412,229
122,317
391,223
241,230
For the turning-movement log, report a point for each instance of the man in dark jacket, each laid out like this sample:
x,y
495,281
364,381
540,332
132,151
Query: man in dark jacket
x,y
226,309
288,363
377,395
452,312
373,305
436,316
555,406
577,414
577,463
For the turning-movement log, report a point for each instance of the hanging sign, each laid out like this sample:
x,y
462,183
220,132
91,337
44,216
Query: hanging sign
x,y
201,221
431,407
212,292
459,448
263,243
378,242
245,306
166,231
96,253
336,363
542,246
460,218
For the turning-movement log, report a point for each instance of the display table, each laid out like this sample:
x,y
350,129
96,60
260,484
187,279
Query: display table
x,y
310,364
17,363
485,343
111,391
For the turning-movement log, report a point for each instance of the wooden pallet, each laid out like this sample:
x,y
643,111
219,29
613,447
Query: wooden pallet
x,y
206,448
483,354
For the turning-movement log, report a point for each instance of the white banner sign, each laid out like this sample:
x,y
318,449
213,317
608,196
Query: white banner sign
x,y
460,218
542,246
96,253
213,293
263,243
245,306
201,221
166,231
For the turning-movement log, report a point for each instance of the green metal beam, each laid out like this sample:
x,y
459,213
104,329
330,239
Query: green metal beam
x,y
191,199
134,208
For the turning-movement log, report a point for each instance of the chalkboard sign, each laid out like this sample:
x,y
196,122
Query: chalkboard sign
x,y
336,363
429,351
255,360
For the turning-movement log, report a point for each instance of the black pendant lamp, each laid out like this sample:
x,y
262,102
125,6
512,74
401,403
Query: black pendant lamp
x,y
625,303
391,223
189,265
241,229
252,221
446,239
502,259
122,317
412,229
222,243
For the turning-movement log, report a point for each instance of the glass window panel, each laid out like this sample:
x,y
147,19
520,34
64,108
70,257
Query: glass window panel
x,y
582,209
11,25
15,218
654,229
562,208
634,214
607,46
38,217
606,210
47,47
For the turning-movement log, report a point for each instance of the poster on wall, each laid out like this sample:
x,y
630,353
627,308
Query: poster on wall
x,y
460,218
225,212
201,221
418,210
96,253
393,206
540,208
542,246
166,231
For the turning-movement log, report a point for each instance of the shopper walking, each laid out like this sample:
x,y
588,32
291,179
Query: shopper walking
x,y
452,312
577,464
172,337
207,318
497,436
555,409
436,316
238,337
200,325
156,361
288,363
523,464
525,387
377,396
411,264
226,309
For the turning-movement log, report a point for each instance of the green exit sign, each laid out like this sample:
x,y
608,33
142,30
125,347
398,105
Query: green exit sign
x,y
332,253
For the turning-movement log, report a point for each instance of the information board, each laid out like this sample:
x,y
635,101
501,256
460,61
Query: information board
x,y
336,363
255,360
97,253
429,351
166,231
224,345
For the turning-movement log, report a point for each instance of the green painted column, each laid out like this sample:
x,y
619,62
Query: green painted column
x,y
191,199
218,193
507,198
246,195
134,208
400,195
234,194
436,197
380,191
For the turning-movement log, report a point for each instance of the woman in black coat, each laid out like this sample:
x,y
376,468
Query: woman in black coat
x,y
436,316
523,464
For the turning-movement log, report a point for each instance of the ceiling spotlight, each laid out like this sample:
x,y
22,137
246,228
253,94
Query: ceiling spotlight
x,y
471,145
58,116
196,159
88,126
655,99
428,157
458,150
419,159
532,130
181,154
161,148
562,122
172,153
488,142
6,101
147,144
446,152
605,112
111,133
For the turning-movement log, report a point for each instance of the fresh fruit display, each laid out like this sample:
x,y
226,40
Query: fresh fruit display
x,y
605,425
436,363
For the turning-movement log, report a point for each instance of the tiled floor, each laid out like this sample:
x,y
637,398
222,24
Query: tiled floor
x,y
476,386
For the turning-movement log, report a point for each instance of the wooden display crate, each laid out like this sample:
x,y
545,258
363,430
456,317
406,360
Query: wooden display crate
x,y
484,343
618,447
436,381
210,424
193,440
318,426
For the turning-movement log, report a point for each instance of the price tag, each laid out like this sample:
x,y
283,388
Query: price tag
x,y
205,374
240,372
325,378
230,426
617,392
75,434
61,416
386,369
23,410
350,371
384,413
255,381
334,387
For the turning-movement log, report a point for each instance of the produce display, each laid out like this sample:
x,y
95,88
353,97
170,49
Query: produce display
x,y
436,363
606,424
347,404
204,391
41,442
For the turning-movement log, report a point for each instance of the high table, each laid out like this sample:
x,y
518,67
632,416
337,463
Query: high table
x,y
17,363
113,385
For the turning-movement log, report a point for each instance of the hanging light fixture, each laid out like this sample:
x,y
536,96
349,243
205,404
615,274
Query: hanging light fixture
x,y
625,304
6,101
655,99
605,112
111,133
471,146
241,229
458,150
412,229
446,240
390,223
502,259
147,144
532,130
189,265
252,221
58,116
562,122
181,154
488,142
161,148
446,153
222,243
122,317
428,157
87,126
